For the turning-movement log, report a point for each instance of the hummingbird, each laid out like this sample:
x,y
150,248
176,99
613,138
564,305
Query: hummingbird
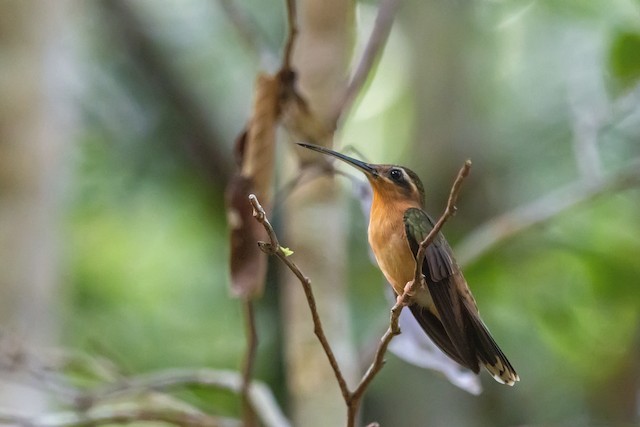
x,y
444,308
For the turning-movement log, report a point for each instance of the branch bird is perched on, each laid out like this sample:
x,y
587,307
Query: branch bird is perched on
x,y
445,309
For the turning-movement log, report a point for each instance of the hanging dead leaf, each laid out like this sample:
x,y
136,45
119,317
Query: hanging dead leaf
x,y
239,146
248,263
255,154
259,148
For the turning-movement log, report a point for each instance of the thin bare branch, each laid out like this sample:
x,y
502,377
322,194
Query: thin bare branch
x,y
394,329
249,359
353,404
354,399
120,414
588,118
292,20
501,228
36,370
274,248
41,374
261,216
372,52
242,23
261,398
593,182
449,211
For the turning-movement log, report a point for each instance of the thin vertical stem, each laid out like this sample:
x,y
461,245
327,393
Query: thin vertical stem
x,y
292,20
248,413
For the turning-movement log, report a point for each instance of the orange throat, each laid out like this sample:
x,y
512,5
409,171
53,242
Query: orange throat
x,y
388,239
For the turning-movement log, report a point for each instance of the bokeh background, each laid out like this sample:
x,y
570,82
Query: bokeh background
x,y
117,120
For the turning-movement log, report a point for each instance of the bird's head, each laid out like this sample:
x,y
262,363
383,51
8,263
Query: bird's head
x,y
390,183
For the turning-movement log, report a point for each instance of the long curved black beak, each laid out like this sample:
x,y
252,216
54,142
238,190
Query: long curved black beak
x,y
368,169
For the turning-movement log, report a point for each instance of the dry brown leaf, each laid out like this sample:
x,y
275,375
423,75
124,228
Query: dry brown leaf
x,y
255,155
248,263
239,146
275,98
259,148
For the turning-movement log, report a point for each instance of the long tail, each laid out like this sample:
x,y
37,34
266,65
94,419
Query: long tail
x,y
479,346
488,352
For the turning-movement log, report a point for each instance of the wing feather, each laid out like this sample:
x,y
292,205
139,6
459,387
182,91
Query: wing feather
x,y
433,327
456,326
440,271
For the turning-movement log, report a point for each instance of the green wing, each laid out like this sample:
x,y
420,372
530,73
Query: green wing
x,y
438,258
449,327
455,326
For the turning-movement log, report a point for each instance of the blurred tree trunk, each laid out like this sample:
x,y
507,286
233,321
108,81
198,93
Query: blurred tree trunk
x,y
444,132
32,139
316,221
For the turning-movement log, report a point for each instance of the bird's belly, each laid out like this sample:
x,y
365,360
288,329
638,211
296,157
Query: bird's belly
x,y
396,262
398,265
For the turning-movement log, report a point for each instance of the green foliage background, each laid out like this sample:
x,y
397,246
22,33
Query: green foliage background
x,y
146,249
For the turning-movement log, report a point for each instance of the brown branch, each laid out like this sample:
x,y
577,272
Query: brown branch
x,y
449,211
273,248
372,52
249,415
292,20
496,231
47,375
261,398
120,414
259,394
354,399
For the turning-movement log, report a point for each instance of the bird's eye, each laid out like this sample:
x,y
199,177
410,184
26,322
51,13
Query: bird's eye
x,y
396,175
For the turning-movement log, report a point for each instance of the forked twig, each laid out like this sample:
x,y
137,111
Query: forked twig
x,y
394,329
273,248
292,20
103,404
449,211
372,52
354,399
122,414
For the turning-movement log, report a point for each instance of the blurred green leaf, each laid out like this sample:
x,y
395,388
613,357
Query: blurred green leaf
x,y
146,282
624,58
